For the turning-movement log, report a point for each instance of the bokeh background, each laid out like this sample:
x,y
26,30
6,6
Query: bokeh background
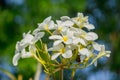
x,y
19,16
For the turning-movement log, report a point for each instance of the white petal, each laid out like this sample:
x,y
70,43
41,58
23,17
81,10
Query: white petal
x,y
38,36
55,37
41,26
79,40
64,18
55,55
47,19
32,48
84,51
108,53
91,36
26,55
57,42
67,54
80,15
16,58
52,26
96,46
36,31
82,57
69,41
56,48
102,48
89,26
68,23
27,39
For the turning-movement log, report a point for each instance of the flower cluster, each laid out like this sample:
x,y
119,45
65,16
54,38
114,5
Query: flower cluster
x,y
73,44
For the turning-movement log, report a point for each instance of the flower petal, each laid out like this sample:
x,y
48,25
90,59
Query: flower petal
x,y
64,18
91,36
57,42
69,41
55,37
108,53
76,41
89,26
56,48
38,36
54,56
84,51
16,58
96,46
26,55
47,19
67,54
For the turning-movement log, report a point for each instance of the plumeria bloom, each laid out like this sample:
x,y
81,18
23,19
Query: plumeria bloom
x,y
47,24
64,37
103,52
73,45
82,37
62,26
27,41
60,49
82,21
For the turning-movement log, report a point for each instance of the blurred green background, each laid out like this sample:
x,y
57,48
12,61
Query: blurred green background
x,y
18,16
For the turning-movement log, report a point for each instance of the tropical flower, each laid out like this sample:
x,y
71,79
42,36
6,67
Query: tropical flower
x,y
47,24
27,41
64,37
62,26
70,40
60,49
83,37
82,21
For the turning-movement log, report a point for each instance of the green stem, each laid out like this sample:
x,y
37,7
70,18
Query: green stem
x,y
73,74
61,74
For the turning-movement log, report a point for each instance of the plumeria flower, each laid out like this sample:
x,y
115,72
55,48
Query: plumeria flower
x,y
62,26
65,37
27,41
68,38
103,52
84,51
82,21
47,24
82,37
60,49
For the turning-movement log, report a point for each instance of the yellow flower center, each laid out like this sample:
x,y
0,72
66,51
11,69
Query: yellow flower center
x,y
46,27
62,51
81,20
65,38
83,35
60,29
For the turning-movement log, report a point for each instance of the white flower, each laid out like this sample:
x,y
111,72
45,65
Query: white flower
x,y
61,50
82,21
103,52
65,37
62,26
82,37
27,41
47,24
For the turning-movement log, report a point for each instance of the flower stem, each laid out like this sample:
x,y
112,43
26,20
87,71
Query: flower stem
x,y
73,74
61,74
